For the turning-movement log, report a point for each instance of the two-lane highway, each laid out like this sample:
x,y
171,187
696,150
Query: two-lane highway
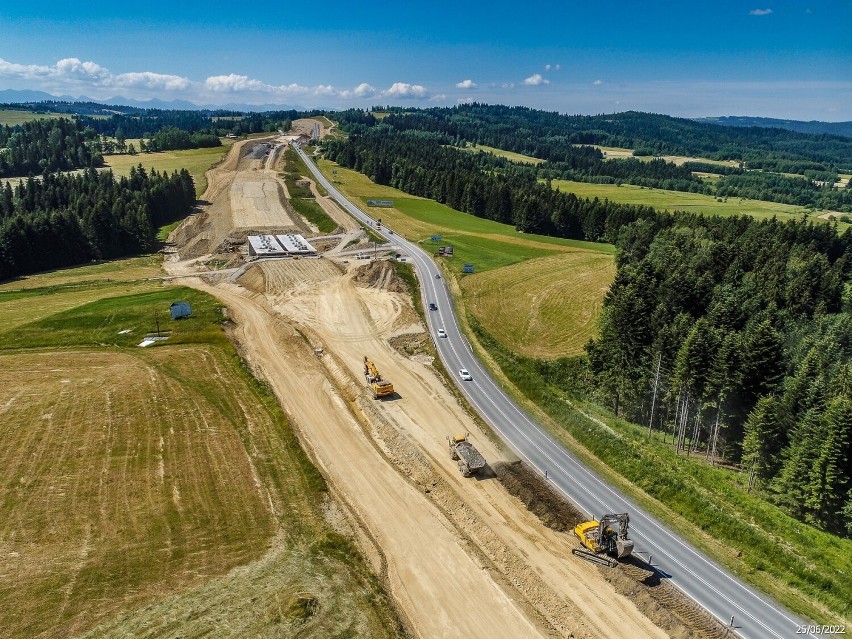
x,y
755,615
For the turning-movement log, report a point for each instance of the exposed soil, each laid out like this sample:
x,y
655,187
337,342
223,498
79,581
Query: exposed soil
x,y
461,557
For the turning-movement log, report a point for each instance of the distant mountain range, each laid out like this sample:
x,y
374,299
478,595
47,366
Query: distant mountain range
x,y
814,126
13,96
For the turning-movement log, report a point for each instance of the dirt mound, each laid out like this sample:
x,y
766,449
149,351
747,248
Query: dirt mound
x,y
656,597
539,497
414,346
280,276
379,274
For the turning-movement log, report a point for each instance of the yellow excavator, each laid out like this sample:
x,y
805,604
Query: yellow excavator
x,y
380,387
600,541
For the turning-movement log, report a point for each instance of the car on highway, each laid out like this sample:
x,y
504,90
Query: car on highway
x,y
465,375
433,306
442,332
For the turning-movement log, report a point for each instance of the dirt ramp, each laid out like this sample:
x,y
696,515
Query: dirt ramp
x,y
379,274
280,276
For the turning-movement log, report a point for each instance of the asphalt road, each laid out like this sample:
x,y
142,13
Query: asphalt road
x,y
755,615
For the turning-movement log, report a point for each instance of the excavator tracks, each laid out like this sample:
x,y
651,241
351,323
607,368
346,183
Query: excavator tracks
x,y
595,558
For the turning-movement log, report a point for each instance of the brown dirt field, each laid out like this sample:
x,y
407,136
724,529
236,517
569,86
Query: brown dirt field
x,y
120,483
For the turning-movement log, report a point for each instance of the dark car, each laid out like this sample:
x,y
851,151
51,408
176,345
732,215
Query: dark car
x,y
433,306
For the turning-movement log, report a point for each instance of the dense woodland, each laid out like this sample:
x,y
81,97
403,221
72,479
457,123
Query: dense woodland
x,y
47,145
561,141
744,327
63,220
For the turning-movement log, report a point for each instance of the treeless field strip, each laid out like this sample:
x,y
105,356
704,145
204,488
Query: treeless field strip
x,y
123,478
543,308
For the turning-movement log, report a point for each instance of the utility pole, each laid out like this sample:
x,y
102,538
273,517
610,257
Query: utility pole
x,y
654,400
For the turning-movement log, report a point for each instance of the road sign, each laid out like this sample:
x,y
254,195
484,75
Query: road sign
x,y
468,268
436,238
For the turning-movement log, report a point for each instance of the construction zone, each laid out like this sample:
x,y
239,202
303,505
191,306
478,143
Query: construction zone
x,y
459,557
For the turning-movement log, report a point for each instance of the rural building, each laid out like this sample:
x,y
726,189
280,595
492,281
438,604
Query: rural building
x,y
180,309
265,246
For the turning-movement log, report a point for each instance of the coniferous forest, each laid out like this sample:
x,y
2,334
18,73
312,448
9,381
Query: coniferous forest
x,y
47,145
743,327
63,220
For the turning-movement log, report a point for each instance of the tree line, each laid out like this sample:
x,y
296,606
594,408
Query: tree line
x,y
735,336
63,220
562,141
40,146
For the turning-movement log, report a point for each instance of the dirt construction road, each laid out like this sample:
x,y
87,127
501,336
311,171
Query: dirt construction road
x,y
461,557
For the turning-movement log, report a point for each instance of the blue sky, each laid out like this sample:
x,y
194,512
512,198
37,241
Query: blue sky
x,y
789,59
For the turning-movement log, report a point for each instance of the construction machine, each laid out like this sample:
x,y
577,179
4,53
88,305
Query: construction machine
x,y
462,451
600,541
380,387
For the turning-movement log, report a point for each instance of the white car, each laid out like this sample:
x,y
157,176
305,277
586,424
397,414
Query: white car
x,y
442,332
465,375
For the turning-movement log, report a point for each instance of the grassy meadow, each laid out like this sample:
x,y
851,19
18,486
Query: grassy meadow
x,y
12,117
509,155
196,161
679,201
149,490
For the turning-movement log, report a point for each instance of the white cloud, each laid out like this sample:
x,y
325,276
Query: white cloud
x,y
547,67
406,90
507,85
535,80
467,100
558,67
552,67
597,83
364,90
65,70
440,97
760,12
232,83
150,80
466,84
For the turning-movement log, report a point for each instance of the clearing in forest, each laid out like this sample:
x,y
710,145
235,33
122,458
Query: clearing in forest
x,y
543,308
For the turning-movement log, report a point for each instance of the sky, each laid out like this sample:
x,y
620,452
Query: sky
x,y
790,59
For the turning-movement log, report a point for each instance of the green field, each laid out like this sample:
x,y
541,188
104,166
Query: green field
x,y
156,489
509,155
11,117
196,161
679,201
485,243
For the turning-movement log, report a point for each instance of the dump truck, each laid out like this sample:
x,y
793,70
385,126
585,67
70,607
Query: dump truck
x,y
601,543
462,451
379,387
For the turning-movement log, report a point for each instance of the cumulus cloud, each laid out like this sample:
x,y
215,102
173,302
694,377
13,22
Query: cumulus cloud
x,y
364,90
467,100
466,84
73,73
150,80
760,12
406,91
535,80
440,97
597,83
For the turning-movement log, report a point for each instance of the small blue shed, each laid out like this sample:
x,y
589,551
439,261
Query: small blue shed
x,y
180,309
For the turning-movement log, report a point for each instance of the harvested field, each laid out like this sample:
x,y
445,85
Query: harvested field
x,y
545,307
126,482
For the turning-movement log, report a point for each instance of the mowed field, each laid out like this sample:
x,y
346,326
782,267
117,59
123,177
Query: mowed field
x,y
12,117
539,296
509,155
149,492
543,308
196,161
679,201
